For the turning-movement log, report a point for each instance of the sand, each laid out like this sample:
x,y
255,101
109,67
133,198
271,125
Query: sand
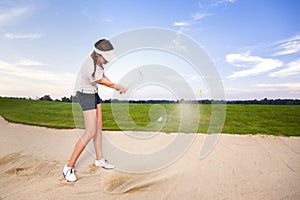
x,y
239,167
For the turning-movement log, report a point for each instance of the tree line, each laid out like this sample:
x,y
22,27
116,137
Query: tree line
x,y
63,99
264,101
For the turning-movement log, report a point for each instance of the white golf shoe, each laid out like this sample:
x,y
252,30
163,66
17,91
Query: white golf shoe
x,y
69,173
104,163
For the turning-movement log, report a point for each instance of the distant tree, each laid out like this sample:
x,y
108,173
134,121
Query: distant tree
x,y
46,98
65,99
107,101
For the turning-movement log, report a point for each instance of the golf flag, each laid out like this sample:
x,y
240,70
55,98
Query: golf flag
x,y
200,91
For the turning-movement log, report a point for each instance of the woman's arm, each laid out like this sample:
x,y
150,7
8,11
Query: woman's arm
x,y
105,81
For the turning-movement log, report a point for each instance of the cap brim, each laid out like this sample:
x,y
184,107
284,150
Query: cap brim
x,y
108,55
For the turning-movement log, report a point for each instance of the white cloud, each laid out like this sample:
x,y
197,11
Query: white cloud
x,y
258,64
29,62
199,16
288,46
181,23
194,19
12,14
218,2
19,80
286,86
12,36
293,68
17,87
31,73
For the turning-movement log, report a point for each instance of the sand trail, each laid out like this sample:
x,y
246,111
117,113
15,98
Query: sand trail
x,y
120,183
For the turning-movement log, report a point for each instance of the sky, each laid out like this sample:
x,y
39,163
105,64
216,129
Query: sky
x,y
254,44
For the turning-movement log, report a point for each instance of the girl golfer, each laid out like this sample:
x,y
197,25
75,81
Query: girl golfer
x,y
91,74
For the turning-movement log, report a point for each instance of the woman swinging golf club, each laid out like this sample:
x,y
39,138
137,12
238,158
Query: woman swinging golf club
x,y
91,74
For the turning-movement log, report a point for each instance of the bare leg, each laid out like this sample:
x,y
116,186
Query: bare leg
x,y
98,136
90,122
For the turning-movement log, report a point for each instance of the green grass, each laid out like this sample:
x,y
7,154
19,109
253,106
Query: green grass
x,y
263,119
240,119
39,113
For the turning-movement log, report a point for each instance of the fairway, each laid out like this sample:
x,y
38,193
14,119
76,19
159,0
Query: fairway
x,y
240,119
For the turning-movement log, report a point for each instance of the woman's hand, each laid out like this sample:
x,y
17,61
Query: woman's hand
x,y
121,89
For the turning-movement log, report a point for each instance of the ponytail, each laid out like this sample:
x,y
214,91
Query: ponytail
x,y
94,57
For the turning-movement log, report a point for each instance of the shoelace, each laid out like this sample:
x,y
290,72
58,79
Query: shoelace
x,y
105,161
71,170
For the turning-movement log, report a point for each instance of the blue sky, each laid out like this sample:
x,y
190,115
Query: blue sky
x,y
255,44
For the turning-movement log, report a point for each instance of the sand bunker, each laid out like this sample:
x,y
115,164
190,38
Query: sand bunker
x,y
239,167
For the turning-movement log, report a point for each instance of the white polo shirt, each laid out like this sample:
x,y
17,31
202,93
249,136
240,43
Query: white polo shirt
x,y
87,83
